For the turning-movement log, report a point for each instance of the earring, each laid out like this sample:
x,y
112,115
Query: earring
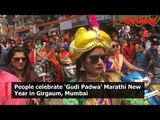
x,y
82,68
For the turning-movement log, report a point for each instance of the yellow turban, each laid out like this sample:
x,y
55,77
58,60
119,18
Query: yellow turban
x,y
87,40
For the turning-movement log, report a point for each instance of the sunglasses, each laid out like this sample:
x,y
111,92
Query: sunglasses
x,y
114,46
17,59
95,58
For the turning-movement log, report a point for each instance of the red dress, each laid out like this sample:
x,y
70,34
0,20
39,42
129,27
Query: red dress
x,y
129,53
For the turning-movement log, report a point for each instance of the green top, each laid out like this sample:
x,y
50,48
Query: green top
x,y
83,101
86,101
74,101
40,47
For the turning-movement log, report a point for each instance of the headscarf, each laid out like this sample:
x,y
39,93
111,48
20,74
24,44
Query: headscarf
x,y
87,40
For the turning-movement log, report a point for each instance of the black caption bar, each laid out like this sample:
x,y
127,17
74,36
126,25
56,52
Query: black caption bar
x,y
78,90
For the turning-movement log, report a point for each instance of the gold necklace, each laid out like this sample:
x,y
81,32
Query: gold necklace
x,y
93,79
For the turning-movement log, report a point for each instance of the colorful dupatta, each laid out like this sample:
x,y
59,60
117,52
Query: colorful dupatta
x,y
116,64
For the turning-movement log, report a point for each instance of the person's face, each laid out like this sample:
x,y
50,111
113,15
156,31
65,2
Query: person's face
x,y
29,46
21,45
142,39
18,41
34,45
129,42
125,37
114,48
142,29
71,39
18,61
155,48
136,38
94,62
62,48
38,41
13,44
140,48
57,38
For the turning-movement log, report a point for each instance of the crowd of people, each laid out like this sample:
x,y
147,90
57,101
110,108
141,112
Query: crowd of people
x,y
98,56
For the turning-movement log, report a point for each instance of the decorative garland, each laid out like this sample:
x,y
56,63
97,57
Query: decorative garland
x,y
157,18
138,22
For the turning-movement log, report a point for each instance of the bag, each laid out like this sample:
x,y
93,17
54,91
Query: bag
x,y
68,72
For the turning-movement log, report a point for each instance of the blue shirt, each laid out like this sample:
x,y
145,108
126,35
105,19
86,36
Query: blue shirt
x,y
140,60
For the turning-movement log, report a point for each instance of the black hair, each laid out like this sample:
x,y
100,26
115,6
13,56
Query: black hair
x,y
154,39
143,45
26,47
29,74
129,42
